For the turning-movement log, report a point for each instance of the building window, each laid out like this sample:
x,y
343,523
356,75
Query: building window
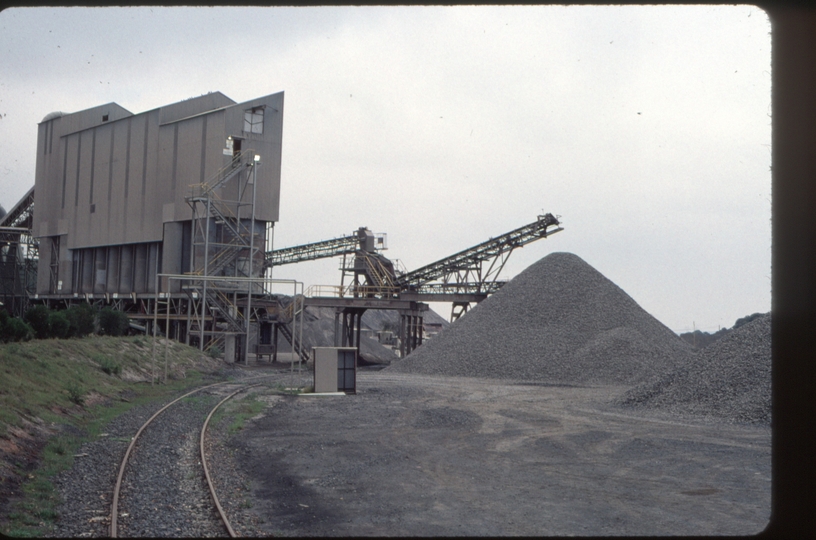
x,y
253,120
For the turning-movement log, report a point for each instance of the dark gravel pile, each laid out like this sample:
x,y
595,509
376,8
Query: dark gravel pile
x,y
559,320
730,379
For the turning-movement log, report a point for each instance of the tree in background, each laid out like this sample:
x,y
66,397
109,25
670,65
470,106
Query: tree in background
x,y
747,319
38,318
13,329
700,340
81,320
59,326
112,322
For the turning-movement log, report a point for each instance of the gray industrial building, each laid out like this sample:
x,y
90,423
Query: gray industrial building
x,y
113,188
122,199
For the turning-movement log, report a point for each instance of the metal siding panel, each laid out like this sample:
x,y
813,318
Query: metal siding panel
x,y
86,262
155,193
113,269
65,267
92,167
188,163
140,268
78,172
81,209
203,149
100,269
43,281
185,246
42,178
145,167
172,252
117,203
98,233
136,172
175,158
127,155
268,145
126,269
153,260
64,171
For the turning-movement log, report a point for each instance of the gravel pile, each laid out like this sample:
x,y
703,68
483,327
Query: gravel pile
x,y
730,379
559,320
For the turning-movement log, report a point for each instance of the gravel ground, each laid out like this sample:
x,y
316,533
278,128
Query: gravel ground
x,y
178,503
414,455
559,320
730,379
424,455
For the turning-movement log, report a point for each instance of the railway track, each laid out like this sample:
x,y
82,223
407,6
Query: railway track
x,y
159,490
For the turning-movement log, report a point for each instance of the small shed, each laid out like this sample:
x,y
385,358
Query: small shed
x,y
335,369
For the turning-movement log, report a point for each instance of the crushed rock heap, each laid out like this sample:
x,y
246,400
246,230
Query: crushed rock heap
x,y
560,320
730,379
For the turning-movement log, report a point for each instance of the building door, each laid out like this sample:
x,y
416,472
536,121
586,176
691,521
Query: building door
x,y
346,371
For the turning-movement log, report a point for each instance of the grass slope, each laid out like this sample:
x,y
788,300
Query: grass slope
x,y
57,394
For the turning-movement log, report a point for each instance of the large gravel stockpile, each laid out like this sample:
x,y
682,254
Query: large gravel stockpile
x,y
730,379
559,320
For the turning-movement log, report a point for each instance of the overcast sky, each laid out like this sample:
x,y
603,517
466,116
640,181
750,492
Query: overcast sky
x,y
647,129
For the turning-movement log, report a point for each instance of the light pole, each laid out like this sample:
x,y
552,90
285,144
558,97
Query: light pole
x,y
257,162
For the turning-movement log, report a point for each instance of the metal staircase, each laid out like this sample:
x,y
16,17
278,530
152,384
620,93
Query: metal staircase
x,y
223,236
286,315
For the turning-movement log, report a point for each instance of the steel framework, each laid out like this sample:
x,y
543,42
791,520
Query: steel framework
x,y
309,252
476,269
19,253
462,278
224,243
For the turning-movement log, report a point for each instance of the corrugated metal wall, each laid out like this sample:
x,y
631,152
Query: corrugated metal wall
x,y
107,179
116,269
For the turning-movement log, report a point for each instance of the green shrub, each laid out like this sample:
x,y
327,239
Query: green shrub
x,y
215,352
75,394
110,367
59,324
16,330
112,322
37,317
80,319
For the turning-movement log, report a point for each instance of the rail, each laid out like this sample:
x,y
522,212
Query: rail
x,y
118,486
204,460
352,291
